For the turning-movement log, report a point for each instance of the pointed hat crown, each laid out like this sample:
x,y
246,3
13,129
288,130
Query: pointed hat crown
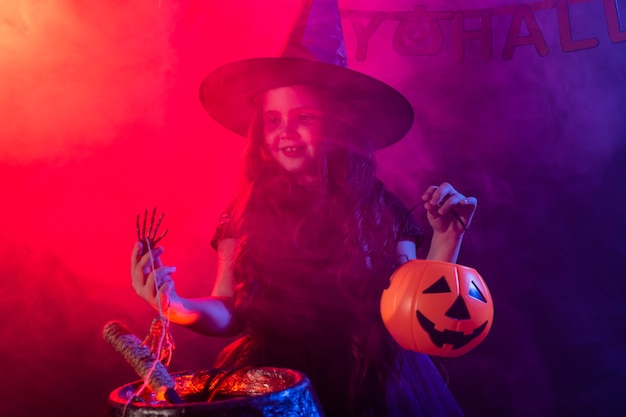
x,y
317,34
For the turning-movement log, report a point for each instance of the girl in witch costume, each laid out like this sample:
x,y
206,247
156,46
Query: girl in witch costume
x,y
307,247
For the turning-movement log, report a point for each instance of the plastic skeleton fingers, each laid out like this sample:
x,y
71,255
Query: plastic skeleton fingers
x,y
159,339
149,238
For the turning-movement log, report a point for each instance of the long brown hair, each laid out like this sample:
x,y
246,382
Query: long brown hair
x,y
348,195
346,184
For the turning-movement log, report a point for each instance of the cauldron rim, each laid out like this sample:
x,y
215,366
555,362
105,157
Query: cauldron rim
x,y
116,399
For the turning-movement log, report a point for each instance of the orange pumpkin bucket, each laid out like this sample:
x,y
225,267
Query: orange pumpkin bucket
x,y
437,308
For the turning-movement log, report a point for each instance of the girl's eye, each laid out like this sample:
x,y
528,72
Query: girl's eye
x,y
272,121
307,117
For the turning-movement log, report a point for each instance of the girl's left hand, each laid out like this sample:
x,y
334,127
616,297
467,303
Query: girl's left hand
x,y
440,202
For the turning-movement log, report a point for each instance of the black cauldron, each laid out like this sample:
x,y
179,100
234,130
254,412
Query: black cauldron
x,y
245,392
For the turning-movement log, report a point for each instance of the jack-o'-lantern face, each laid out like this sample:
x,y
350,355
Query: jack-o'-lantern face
x,y
437,308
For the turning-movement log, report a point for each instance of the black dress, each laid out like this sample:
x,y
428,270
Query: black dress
x,y
307,307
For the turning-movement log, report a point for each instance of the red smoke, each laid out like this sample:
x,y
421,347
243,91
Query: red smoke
x,y
100,119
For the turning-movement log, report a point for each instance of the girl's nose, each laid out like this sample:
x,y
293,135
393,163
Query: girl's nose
x,y
288,129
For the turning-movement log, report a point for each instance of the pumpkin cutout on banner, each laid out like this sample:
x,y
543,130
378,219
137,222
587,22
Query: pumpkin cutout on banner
x,y
437,308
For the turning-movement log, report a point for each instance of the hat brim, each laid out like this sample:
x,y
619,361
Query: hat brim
x,y
228,95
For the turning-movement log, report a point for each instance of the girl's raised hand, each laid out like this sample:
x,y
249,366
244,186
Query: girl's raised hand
x,y
443,204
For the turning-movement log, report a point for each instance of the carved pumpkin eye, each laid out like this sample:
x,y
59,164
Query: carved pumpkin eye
x,y
475,293
441,285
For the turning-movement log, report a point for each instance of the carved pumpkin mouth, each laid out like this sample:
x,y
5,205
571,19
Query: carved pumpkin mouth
x,y
448,337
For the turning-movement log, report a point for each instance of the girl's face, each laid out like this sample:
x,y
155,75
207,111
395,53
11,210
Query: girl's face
x,y
292,126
